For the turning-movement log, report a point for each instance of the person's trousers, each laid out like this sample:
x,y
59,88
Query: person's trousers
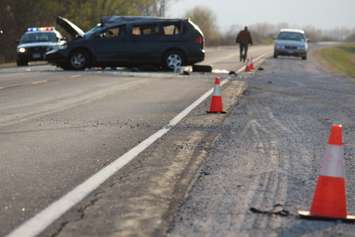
x,y
243,52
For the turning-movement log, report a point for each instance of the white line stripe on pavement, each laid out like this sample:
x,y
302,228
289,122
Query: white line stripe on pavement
x,y
39,82
46,217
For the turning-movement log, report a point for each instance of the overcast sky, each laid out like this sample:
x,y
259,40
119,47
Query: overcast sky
x,y
325,14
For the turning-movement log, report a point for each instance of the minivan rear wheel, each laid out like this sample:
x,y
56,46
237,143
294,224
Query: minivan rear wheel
x,y
173,60
79,60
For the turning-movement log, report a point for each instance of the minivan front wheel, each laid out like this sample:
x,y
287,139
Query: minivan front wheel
x,y
173,60
79,60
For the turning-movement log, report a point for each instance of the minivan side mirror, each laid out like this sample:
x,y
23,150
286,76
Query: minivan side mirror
x,y
17,41
99,35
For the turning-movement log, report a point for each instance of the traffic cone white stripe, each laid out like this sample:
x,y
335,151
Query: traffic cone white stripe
x,y
333,162
217,91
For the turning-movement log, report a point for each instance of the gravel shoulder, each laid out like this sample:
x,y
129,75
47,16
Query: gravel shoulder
x,y
263,167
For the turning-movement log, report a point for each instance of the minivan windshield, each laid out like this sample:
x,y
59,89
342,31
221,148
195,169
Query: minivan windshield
x,y
39,37
294,36
95,29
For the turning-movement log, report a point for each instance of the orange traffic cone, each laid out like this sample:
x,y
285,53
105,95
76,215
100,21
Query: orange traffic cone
x,y
329,200
247,66
251,64
216,100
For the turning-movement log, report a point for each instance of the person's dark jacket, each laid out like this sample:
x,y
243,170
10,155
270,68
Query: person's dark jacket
x,y
244,37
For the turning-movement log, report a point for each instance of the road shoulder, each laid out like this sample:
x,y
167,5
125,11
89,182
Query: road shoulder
x,y
142,199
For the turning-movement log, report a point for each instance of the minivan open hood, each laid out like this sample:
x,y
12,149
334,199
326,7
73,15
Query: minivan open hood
x,y
70,28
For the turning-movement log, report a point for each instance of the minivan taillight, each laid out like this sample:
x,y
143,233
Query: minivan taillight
x,y
199,40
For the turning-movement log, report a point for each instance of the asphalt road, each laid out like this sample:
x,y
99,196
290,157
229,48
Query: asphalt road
x,y
58,128
264,166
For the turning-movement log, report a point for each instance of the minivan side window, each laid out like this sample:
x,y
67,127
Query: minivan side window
x,y
113,32
145,30
172,29
136,31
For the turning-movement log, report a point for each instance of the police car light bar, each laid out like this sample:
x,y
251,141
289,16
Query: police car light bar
x,y
40,29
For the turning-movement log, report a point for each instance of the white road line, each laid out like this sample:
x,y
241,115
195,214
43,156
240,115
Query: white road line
x,y
75,76
46,217
39,82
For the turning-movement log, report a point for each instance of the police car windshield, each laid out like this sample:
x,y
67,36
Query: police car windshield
x,y
291,36
38,37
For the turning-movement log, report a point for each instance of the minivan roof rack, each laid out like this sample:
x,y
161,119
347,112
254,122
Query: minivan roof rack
x,y
114,20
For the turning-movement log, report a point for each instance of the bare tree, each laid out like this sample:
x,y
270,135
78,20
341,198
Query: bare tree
x,y
206,20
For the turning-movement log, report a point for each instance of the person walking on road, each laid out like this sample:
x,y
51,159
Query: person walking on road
x,y
244,39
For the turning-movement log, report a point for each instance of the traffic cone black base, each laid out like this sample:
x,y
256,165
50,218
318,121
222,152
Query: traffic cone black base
x,y
223,112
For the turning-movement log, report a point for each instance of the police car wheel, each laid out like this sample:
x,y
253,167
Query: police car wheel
x,y
21,63
275,54
79,60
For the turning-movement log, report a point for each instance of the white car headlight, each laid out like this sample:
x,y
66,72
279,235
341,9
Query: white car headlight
x,y
22,50
63,46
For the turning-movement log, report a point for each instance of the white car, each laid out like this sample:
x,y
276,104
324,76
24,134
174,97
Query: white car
x,y
291,42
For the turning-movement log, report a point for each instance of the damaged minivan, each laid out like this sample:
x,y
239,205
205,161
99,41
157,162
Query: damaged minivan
x,y
125,41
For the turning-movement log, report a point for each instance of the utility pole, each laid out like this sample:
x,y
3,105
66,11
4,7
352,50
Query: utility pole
x,y
162,8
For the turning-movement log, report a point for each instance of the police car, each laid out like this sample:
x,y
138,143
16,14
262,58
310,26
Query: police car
x,y
35,42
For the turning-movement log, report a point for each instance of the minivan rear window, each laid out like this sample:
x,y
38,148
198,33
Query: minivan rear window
x,y
172,29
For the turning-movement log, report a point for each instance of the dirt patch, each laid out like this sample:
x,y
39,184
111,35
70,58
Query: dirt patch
x,y
339,59
322,63
353,59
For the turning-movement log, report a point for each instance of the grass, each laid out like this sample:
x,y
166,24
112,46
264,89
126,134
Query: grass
x,y
340,58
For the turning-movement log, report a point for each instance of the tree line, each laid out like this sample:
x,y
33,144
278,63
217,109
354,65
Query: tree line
x,y
262,33
17,15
